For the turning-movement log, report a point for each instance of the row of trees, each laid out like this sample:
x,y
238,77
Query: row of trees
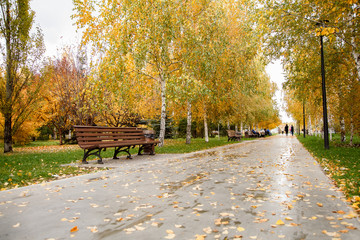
x,y
199,60
296,27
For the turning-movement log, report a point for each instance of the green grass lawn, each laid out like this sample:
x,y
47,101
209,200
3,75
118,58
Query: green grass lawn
x,y
41,160
341,162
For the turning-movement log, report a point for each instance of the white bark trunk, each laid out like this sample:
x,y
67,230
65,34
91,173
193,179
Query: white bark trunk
x,y
206,127
228,125
188,126
163,112
356,56
55,133
342,128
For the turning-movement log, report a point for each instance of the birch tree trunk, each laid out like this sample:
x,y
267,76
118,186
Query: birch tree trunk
x,y
206,131
163,111
342,128
355,53
356,57
188,125
55,134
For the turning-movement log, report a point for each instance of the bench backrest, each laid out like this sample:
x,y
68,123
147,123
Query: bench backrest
x,y
92,135
231,133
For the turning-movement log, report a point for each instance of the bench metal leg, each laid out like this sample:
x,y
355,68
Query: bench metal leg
x,y
89,152
143,147
122,149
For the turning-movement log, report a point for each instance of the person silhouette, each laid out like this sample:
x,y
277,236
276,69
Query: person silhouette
x,y
286,129
292,130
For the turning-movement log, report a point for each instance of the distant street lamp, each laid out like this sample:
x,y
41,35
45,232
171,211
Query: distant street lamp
x,y
321,23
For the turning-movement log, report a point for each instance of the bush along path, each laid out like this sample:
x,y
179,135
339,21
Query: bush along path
x,y
264,189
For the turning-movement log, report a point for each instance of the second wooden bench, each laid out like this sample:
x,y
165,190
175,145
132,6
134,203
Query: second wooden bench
x,y
233,135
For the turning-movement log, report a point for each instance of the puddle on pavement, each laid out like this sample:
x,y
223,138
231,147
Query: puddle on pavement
x,y
173,186
260,196
97,179
204,154
251,212
123,225
282,165
234,156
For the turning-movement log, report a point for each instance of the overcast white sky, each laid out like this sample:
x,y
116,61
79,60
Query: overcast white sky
x,y
276,73
53,17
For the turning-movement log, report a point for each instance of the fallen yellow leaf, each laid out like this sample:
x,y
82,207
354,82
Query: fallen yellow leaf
x,y
351,227
16,225
74,229
350,215
218,221
294,224
200,237
280,222
240,229
207,230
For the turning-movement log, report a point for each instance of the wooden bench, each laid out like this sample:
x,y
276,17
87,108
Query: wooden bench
x,y
233,135
94,139
214,133
250,134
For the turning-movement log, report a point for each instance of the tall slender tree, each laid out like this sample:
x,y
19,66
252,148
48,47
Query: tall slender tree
x,y
22,50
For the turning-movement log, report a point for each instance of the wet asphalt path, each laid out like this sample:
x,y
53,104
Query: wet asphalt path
x,y
264,189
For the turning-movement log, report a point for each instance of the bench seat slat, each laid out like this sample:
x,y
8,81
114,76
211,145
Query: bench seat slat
x,y
94,134
102,128
107,138
105,144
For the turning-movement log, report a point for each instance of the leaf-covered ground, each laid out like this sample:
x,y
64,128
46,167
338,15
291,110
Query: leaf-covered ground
x,y
341,163
267,189
43,161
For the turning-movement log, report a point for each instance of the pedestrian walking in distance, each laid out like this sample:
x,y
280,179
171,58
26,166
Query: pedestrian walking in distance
x,y
286,129
292,130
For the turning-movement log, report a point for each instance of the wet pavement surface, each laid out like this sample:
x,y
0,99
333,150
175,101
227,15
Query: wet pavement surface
x,y
263,189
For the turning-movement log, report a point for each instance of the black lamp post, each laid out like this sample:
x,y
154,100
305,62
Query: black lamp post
x,y
325,118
